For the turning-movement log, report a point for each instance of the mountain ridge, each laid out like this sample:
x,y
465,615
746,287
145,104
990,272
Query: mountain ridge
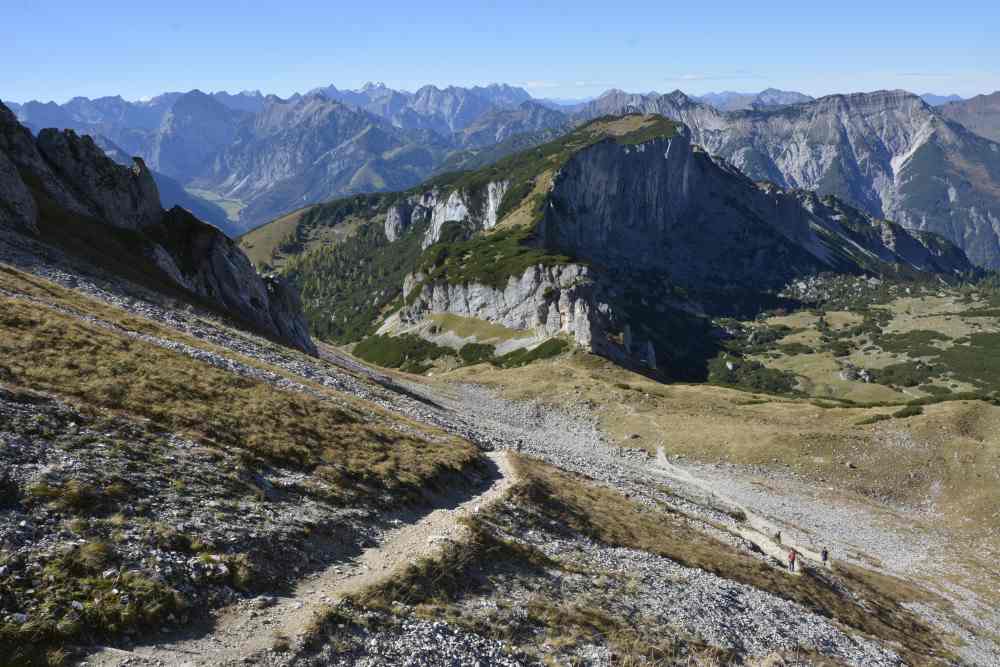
x,y
64,190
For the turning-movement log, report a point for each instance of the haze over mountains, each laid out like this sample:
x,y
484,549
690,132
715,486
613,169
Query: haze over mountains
x,y
893,155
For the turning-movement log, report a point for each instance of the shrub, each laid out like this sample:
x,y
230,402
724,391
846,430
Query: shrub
x,y
550,348
792,349
750,376
908,411
906,374
408,353
475,353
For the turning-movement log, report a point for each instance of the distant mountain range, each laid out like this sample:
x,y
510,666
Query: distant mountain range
x,y
938,100
770,98
892,155
266,155
981,114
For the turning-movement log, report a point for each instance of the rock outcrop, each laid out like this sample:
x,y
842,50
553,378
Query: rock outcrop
x,y
75,178
551,300
477,207
125,198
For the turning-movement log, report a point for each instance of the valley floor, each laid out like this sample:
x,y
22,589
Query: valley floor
x,y
581,548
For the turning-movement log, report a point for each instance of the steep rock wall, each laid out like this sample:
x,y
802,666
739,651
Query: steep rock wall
x,y
479,208
551,300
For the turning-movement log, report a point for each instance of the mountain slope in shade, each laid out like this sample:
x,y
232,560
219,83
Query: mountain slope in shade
x,y
888,153
66,192
981,114
498,126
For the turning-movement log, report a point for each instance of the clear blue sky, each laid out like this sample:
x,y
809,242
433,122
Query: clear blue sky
x,y
54,50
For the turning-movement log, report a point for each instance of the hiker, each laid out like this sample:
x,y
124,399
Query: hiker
x,y
777,537
520,445
791,560
825,557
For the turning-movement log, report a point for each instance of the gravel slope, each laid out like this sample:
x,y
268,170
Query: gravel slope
x,y
567,438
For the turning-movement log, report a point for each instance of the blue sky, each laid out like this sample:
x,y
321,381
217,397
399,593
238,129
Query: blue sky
x,y
57,50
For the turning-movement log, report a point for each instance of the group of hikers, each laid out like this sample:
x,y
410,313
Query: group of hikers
x,y
793,555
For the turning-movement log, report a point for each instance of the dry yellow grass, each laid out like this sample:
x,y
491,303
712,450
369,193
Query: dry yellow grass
x,y
819,375
355,452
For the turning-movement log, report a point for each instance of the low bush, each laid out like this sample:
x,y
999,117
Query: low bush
x,y
476,353
908,411
408,353
550,348
905,374
750,376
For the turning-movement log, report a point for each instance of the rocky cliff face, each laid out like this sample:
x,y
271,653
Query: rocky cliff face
x,y
71,174
667,207
887,153
17,206
125,198
551,300
477,207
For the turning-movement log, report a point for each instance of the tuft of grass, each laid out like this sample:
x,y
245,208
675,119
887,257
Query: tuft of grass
x,y
81,604
78,497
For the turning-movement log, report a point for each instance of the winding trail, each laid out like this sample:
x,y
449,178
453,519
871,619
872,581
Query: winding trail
x,y
243,631
755,529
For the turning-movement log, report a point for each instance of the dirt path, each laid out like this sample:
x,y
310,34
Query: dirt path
x,y
245,630
756,529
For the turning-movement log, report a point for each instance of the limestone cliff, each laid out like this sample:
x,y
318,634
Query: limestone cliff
x,y
668,207
551,300
476,206
76,181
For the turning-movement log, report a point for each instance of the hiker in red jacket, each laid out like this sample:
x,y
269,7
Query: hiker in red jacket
x,y
791,560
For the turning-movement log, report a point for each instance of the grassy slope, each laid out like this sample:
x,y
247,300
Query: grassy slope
x,y
104,370
349,452
948,452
